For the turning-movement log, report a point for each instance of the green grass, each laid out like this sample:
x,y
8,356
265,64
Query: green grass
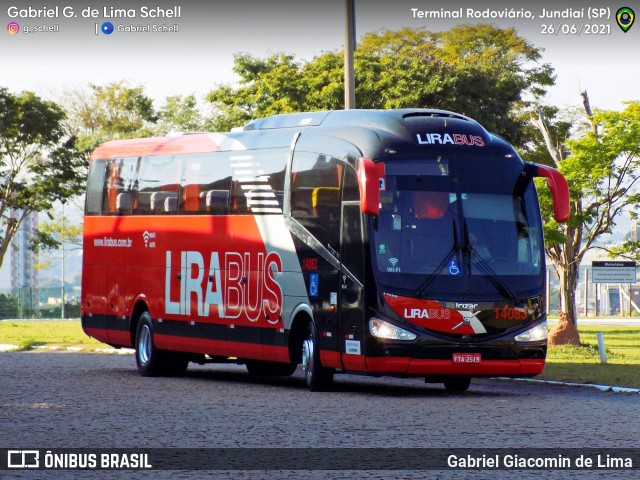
x,y
580,364
63,333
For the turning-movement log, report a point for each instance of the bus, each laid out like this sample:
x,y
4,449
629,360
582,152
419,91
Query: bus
x,y
402,242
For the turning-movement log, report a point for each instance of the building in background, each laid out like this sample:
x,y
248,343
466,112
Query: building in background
x,y
24,275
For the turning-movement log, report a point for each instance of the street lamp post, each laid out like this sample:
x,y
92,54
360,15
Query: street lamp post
x,y
62,312
349,47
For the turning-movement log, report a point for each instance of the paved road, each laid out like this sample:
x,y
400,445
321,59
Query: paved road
x,y
66,400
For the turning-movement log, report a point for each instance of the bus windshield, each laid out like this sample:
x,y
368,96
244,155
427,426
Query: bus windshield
x,y
466,224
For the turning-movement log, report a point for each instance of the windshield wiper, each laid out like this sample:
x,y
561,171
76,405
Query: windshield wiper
x,y
445,260
485,268
488,271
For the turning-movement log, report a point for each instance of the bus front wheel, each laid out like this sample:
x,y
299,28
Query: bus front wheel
x,y
317,377
152,362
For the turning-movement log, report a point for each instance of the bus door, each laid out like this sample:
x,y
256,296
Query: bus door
x,y
352,311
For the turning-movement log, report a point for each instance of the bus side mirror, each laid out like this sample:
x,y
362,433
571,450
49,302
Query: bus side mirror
x,y
559,189
369,181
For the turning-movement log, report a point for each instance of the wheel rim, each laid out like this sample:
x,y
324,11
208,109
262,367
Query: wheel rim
x,y
307,358
144,345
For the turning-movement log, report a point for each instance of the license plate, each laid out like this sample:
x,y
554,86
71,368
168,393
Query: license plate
x,y
467,358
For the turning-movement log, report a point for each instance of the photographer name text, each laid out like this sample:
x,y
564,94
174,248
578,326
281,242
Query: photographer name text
x,y
90,12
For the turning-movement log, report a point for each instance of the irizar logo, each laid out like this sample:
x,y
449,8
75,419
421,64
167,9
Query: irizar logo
x,y
466,306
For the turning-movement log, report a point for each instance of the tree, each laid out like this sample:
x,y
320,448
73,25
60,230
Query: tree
x,y
482,71
39,163
108,112
267,87
180,114
9,307
118,110
602,167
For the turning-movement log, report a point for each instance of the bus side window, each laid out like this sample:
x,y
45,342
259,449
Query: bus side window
x,y
315,195
191,198
119,186
156,183
352,225
205,184
217,202
95,187
123,203
258,181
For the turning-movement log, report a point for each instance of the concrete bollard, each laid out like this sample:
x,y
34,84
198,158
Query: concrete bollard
x,y
601,349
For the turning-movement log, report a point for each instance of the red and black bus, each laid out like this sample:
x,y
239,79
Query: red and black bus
x,y
402,242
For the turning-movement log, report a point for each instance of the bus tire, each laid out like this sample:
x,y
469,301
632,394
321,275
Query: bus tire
x,y
259,368
457,384
317,377
152,362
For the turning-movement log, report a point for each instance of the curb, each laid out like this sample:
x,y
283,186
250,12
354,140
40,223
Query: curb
x,y
6,347
602,388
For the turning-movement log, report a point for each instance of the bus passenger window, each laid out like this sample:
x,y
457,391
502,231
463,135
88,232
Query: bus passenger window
x,y
191,199
315,195
205,177
217,202
120,179
161,202
123,203
95,186
156,183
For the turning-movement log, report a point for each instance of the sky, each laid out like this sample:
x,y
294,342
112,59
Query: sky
x,y
585,45
200,54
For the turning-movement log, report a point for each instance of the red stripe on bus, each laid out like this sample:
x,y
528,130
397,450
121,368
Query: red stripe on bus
x,y
120,337
406,365
330,359
100,334
197,143
222,348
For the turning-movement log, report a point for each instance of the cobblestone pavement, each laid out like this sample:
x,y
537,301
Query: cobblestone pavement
x,y
67,400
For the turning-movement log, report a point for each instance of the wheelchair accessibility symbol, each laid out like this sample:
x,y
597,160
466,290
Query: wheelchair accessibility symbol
x,y
453,268
313,284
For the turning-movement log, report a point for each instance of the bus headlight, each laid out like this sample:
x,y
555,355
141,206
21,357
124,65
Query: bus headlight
x,y
536,334
381,329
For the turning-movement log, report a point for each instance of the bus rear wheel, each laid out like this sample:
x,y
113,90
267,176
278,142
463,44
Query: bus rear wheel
x,y
457,384
152,362
317,377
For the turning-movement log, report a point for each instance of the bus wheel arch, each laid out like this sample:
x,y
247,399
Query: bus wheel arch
x,y
151,361
138,309
304,349
297,334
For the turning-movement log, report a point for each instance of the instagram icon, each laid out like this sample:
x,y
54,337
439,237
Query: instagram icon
x,y
13,28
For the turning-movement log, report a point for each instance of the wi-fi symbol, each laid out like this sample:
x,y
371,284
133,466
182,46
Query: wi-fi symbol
x,y
393,261
145,236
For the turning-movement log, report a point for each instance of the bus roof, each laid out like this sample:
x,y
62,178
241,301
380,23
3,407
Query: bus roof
x,y
140,147
371,131
354,118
